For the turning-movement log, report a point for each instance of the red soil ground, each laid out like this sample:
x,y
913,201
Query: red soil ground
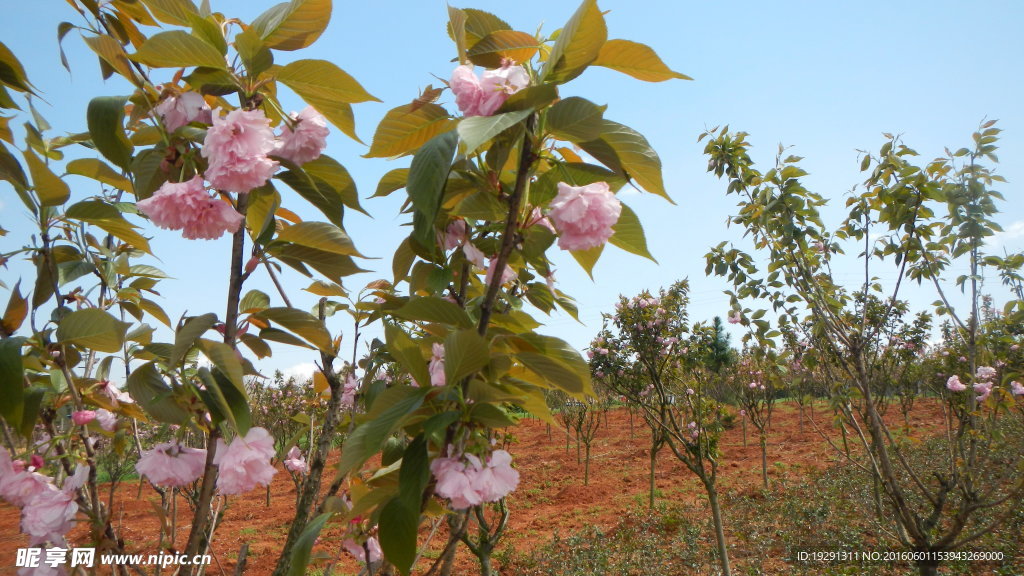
x,y
551,496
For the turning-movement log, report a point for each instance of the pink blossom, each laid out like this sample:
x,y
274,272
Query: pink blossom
x,y
437,365
17,485
114,394
690,391
538,217
752,385
245,463
962,359
550,281
473,254
819,246
237,146
955,385
734,317
985,373
348,395
359,552
983,389
454,481
50,513
743,412
482,97
43,569
186,206
1015,347
584,215
507,273
1017,388
295,462
498,478
171,464
455,234
83,417
306,140
177,111
107,419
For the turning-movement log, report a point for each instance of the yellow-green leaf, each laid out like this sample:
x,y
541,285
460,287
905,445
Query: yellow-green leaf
x,y
293,25
500,45
320,79
637,60
109,219
321,236
627,152
100,171
51,190
178,49
403,129
92,328
628,234
174,12
578,44
112,53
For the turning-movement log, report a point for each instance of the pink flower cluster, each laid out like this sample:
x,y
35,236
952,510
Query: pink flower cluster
x,y
237,148
359,552
188,207
47,512
305,139
437,365
483,96
245,463
296,462
171,464
177,111
467,481
507,273
955,385
584,215
348,394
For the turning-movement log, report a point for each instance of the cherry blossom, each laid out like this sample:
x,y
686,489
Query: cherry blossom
x,y
306,139
584,215
171,464
237,146
245,463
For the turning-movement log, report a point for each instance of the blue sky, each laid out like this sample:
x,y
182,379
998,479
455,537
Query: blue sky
x,y
827,78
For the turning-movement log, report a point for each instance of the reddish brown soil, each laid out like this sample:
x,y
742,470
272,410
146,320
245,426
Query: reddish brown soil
x,y
551,496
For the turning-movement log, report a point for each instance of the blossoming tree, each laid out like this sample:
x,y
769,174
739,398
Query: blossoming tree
x,y
928,218
203,147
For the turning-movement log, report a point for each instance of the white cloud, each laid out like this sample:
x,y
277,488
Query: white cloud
x,y
299,371
1008,237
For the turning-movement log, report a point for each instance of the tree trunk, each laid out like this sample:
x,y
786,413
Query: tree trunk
x,y
586,468
654,459
764,460
716,514
485,565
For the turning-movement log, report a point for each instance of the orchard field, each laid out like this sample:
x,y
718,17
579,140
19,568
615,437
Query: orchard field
x,y
220,353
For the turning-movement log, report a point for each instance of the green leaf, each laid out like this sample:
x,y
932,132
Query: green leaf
x,y
333,266
392,181
479,24
256,57
178,49
253,301
10,170
627,152
303,324
405,129
556,362
476,130
457,31
465,352
321,79
405,350
428,173
433,309
12,381
260,348
502,45
333,180
17,310
111,53
100,171
637,60
187,335
51,190
386,415
214,81
109,219
303,548
174,12
588,258
576,119
398,527
224,359
225,401
11,71
94,329
105,117
628,234
531,98
293,25
578,44
402,261
147,387
321,236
